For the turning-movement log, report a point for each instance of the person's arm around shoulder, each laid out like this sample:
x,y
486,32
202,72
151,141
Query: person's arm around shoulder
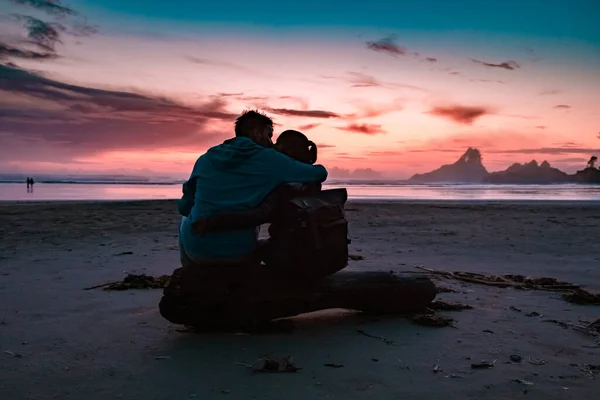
x,y
289,170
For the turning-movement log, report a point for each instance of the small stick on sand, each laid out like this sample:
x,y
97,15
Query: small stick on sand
x,y
100,286
384,340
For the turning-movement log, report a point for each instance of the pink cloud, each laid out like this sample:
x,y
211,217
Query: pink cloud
x,y
367,129
460,114
303,113
308,127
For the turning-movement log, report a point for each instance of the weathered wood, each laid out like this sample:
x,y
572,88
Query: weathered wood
x,y
504,281
253,294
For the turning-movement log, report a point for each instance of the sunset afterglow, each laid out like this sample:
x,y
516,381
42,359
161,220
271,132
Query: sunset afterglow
x,y
154,84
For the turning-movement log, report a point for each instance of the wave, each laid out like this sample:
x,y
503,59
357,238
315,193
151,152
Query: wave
x,y
95,182
329,183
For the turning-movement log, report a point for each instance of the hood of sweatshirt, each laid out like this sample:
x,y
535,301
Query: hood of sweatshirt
x,y
232,153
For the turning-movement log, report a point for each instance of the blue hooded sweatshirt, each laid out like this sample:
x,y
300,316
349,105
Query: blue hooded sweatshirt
x,y
235,175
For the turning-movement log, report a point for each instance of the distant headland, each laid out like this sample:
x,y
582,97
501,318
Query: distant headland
x,y
470,169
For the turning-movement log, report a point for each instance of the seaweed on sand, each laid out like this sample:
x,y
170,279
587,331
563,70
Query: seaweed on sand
x,y
570,292
581,296
272,364
133,281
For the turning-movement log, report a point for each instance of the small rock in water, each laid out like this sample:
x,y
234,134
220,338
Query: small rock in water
x,y
516,358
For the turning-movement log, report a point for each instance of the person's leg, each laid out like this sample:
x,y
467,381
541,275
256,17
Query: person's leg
x,y
185,259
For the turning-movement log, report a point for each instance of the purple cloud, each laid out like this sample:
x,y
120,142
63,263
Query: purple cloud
x,y
509,65
85,120
387,45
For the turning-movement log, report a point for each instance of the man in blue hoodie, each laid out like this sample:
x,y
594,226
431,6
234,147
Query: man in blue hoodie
x,y
236,175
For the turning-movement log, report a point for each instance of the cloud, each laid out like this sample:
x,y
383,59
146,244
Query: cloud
x,y
230,94
387,45
487,81
43,34
308,127
326,146
563,106
365,110
540,127
366,129
550,92
361,80
547,150
40,34
218,63
302,113
436,150
64,120
368,110
460,114
431,59
572,160
384,153
50,6
347,157
299,100
358,79
509,65
359,173
489,141
7,51
566,144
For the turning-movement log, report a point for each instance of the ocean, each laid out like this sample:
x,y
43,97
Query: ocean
x,y
379,191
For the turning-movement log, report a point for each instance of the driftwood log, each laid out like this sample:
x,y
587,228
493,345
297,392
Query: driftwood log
x,y
240,296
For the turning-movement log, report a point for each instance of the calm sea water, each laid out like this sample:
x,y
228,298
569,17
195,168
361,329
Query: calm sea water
x,y
61,192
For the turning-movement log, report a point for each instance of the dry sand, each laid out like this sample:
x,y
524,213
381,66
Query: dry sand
x,y
59,341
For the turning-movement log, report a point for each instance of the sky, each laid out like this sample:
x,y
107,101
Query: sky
x,y
391,88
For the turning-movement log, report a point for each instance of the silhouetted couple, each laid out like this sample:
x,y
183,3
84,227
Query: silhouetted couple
x,y
239,177
30,183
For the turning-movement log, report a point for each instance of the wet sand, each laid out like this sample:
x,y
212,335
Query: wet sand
x,y
59,341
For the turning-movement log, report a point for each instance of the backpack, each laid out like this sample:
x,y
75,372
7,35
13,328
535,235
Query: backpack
x,y
310,232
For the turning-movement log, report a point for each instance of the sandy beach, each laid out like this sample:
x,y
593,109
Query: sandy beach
x,y
60,341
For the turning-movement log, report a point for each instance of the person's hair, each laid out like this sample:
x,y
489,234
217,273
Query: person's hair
x,y
295,144
250,121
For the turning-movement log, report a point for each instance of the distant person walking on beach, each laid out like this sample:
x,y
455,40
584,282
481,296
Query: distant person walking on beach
x,y
236,175
29,184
